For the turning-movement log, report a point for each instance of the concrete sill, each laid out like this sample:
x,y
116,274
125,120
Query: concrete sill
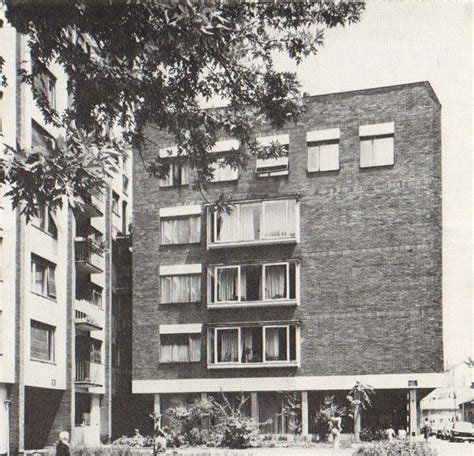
x,y
223,245
268,303
253,365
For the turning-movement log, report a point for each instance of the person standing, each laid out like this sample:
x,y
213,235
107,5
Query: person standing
x,y
63,448
336,429
390,433
426,428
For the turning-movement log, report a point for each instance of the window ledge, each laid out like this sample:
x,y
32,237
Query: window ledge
x,y
223,245
43,361
269,303
388,165
179,362
253,365
43,296
44,232
272,173
178,303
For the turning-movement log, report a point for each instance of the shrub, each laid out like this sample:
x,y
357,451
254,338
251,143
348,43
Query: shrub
x,y
396,448
372,435
239,432
110,450
322,419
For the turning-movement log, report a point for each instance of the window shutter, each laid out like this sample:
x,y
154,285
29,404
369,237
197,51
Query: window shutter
x,y
40,346
365,153
333,157
383,151
51,282
313,158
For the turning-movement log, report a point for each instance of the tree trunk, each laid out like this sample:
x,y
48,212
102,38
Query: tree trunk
x,y
357,418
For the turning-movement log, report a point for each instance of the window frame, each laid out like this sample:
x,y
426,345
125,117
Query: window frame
x,y
182,168
218,167
287,327
51,330
164,219
190,359
45,221
319,144
162,276
47,281
372,139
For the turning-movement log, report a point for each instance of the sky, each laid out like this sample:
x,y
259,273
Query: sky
x,y
401,42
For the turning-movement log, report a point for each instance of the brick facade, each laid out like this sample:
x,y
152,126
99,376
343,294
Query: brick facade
x,y
370,246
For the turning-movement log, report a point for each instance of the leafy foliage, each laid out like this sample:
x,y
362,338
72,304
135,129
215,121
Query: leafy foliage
x,y
292,411
396,448
360,397
322,419
148,65
372,435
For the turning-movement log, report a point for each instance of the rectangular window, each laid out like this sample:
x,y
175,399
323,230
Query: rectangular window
x,y
177,174
42,341
125,184
180,348
181,230
40,138
269,344
43,279
45,221
260,221
45,83
323,156
95,347
180,288
276,165
377,145
223,172
115,203
252,283
97,297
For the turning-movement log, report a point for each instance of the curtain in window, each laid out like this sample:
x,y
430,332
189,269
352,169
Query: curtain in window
x,y
243,283
228,346
227,284
250,222
51,282
272,345
180,288
275,282
228,225
195,347
39,277
247,346
275,213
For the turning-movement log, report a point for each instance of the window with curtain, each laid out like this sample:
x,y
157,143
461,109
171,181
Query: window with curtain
x,y
43,280
227,222
252,345
250,219
181,230
376,151
227,345
279,218
276,277
323,156
45,83
180,348
180,288
223,172
95,347
276,348
227,284
41,341
177,174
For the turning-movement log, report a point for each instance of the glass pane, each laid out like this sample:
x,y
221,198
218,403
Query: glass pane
x,y
227,284
227,225
275,213
250,222
291,218
227,345
252,345
276,282
383,151
251,283
276,344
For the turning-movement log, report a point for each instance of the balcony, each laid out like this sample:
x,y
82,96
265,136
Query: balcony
x,y
89,373
85,322
254,223
94,205
88,257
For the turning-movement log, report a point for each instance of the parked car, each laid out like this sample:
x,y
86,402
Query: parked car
x,y
443,432
462,431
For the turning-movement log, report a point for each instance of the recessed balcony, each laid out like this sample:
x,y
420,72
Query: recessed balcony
x,y
85,322
89,373
94,206
88,257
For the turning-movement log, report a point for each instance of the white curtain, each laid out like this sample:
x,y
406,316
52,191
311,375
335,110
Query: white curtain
x,y
275,213
180,231
228,225
229,345
180,288
250,222
272,346
243,283
227,284
195,347
275,282
247,346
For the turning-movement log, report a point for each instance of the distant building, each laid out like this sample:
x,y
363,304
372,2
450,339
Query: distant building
x,y
63,312
327,271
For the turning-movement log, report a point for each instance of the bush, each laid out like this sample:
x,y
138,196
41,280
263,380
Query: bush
x,y
239,432
372,435
110,450
396,448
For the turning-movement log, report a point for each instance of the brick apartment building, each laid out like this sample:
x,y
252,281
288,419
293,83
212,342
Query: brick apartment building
x,y
326,272
64,316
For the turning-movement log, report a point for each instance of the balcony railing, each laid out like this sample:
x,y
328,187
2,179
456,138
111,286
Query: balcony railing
x,y
85,322
89,373
88,258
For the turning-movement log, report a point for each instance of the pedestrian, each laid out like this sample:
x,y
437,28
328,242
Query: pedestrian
x,y
63,448
402,434
336,428
426,429
390,433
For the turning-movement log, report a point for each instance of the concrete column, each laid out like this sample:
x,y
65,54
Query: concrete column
x,y
304,413
157,407
203,396
254,411
3,419
95,419
413,409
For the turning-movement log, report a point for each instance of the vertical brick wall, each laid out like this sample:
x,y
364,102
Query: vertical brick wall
x,y
370,246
